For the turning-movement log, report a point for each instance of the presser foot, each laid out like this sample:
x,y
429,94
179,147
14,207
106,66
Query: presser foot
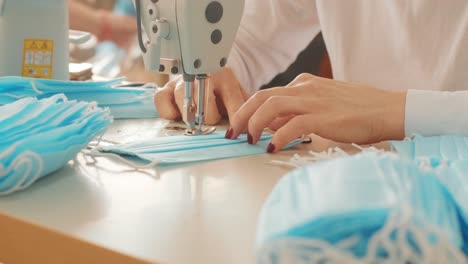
x,y
176,130
199,132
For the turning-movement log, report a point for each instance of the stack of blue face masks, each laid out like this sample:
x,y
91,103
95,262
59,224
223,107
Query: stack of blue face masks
x,y
448,147
449,153
123,102
185,149
367,208
40,136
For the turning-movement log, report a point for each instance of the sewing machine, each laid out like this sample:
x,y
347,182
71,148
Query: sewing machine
x,y
189,37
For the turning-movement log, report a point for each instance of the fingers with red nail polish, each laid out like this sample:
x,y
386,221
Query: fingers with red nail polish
x,y
271,148
229,133
250,139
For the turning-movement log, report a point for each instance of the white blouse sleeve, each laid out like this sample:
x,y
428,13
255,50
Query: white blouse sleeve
x,y
436,113
271,35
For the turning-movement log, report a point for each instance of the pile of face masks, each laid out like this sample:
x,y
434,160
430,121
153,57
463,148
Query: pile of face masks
x,y
38,137
368,208
447,147
184,149
123,102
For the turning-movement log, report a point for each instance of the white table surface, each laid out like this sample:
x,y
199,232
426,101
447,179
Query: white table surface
x,y
198,213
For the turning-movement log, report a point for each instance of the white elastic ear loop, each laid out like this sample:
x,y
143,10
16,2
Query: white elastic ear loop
x,y
13,95
96,154
58,98
4,171
92,107
34,87
145,95
78,107
392,238
40,168
304,250
7,152
15,165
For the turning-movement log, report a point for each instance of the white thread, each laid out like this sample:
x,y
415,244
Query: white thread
x,y
297,160
144,96
399,223
14,95
100,140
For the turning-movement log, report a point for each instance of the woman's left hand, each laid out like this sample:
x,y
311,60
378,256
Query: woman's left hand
x,y
339,111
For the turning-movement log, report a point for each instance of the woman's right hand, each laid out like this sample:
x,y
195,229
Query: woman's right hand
x,y
223,97
340,111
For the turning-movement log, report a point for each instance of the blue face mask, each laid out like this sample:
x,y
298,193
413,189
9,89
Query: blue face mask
x,y
41,136
184,149
453,175
365,208
453,151
447,147
123,102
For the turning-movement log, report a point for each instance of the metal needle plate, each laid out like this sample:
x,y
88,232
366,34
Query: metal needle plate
x,y
197,132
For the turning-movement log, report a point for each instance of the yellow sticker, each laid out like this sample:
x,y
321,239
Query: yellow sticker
x,y
38,58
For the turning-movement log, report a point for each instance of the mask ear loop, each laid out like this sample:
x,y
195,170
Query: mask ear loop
x,y
7,152
23,159
34,87
14,96
93,153
145,95
34,156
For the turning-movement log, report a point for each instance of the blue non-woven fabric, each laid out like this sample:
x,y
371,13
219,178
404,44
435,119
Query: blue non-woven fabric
x,y
448,147
354,197
185,149
124,102
39,137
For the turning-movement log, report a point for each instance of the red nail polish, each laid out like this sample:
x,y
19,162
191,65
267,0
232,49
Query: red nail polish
x,y
229,133
271,148
249,138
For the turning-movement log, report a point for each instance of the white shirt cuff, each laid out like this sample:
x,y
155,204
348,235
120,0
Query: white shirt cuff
x,y
430,113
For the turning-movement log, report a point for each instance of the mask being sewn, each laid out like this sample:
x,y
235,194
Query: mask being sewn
x,y
40,136
123,102
367,208
184,149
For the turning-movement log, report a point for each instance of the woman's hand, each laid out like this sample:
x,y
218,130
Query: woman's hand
x,y
224,96
340,111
